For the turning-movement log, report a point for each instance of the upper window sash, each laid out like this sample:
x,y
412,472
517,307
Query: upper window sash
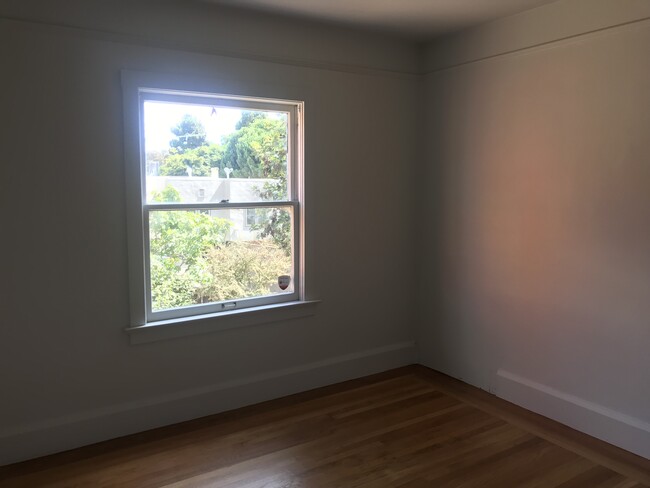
x,y
289,108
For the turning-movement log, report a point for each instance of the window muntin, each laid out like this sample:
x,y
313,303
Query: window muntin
x,y
203,253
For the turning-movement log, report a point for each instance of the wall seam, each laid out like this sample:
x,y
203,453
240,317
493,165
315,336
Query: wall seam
x,y
539,45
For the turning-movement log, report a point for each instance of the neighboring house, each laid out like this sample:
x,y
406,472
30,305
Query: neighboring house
x,y
196,189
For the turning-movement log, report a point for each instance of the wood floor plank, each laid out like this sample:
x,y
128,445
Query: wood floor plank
x,y
407,428
594,449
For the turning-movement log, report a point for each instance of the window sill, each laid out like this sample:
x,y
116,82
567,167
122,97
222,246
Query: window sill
x,y
202,324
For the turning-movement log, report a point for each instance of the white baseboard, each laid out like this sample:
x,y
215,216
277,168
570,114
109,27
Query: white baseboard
x,y
54,435
624,431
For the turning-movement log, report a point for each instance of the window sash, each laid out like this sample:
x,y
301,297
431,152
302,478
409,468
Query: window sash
x,y
229,101
227,305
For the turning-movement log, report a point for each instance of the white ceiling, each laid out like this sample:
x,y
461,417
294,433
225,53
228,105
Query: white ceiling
x,y
416,19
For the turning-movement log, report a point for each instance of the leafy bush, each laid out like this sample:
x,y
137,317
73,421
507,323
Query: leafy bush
x,y
180,245
245,269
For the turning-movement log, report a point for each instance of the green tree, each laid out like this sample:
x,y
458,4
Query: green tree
x,y
180,244
189,134
276,225
258,149
247,118
200,160
167,194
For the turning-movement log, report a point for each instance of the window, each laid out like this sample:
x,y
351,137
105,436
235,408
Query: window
x,y
254,218
214,216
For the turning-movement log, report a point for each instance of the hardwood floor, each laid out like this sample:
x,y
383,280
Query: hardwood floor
x,y
410,427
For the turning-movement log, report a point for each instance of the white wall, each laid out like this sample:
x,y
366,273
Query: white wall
x,y
68,373
537,203
200,26
559,20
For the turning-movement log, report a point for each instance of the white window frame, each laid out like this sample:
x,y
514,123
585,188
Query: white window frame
x,y
139,87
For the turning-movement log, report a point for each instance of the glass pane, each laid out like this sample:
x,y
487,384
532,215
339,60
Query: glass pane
x,y
210,256
207,153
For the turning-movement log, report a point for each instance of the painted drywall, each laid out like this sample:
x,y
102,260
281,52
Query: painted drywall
x,y
199,26
547,23
537,207
415,19
68,373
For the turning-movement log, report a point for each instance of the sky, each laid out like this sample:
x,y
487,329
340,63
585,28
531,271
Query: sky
x,y
160,117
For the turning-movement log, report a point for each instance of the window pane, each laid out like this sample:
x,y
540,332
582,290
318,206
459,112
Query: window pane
x,y
210,256
208,153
